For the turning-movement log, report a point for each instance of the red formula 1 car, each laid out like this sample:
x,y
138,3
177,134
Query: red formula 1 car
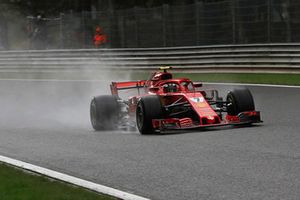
x,y
164,103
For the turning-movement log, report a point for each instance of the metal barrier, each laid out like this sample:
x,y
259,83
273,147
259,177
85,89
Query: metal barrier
x,y
255,58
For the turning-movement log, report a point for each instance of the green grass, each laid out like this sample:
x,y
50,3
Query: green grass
x,y
278,79
15,184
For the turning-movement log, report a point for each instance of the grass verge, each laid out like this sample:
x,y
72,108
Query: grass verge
x,y
18,184
276,79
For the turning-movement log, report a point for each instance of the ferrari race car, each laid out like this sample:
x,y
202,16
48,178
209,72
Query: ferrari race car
x,y
163,103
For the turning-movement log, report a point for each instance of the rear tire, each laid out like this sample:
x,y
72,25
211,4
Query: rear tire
x,y
239,100
104,112
148,108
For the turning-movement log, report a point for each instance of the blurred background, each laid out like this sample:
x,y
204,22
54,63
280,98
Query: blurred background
x,y
71,24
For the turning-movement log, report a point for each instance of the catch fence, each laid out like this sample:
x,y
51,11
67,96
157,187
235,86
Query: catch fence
x,y
202,23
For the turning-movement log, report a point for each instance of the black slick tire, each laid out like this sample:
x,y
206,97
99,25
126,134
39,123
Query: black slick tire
x,y
148,108
104,112
239,100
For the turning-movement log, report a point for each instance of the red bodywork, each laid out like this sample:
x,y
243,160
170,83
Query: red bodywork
x,y
202,114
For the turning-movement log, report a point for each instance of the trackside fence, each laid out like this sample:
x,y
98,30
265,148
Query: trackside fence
x,y
254,58
205,22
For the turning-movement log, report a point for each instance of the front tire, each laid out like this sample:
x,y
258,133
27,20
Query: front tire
x,y
239,100
104,112
148,108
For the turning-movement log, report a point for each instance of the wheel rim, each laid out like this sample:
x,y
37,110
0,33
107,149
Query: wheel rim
x,y
230,106
93,113
140,117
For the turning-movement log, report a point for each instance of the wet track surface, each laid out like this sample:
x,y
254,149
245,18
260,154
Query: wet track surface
x,y
47,124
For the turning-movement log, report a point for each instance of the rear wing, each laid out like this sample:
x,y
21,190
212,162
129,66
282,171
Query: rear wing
x,y
116,86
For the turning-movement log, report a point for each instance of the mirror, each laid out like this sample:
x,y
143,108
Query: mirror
x,y
197,85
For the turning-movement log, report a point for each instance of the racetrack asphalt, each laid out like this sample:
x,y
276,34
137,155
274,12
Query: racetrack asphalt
x,y
46,123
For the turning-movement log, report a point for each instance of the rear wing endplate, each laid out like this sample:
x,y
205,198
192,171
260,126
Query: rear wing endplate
x,y
116,86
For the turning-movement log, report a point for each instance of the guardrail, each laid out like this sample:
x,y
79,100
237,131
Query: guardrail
x,y
265,58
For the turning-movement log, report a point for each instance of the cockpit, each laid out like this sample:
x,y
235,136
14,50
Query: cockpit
x,y
178,86
171,87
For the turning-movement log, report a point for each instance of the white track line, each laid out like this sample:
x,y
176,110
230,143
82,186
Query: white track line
x,y
73,180
253,84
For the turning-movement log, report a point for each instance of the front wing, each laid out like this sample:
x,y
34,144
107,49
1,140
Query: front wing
x,y
187,123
